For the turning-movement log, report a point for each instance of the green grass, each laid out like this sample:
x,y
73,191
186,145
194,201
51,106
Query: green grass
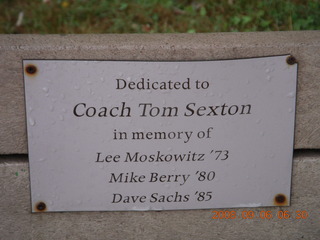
x,y
157,16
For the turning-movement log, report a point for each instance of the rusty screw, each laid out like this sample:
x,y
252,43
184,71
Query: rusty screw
x,y
291,60
31,69
41,206
280,198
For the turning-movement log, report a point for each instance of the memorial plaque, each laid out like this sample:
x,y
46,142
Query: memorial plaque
x,y
135,135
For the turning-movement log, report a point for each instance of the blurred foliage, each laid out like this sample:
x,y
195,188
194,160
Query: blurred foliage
x,y
156,16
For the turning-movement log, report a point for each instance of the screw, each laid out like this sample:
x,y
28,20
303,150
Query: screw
x,y
280,198
31,69
41,206
291,60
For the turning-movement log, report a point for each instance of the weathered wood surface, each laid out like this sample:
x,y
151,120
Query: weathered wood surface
x,y
305,46
17,221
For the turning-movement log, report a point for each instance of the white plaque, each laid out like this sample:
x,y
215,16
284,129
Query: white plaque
x,y
134,135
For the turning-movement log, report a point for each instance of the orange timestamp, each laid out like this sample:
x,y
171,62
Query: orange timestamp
x,y
260,214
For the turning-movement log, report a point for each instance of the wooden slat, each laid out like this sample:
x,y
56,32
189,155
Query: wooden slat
x,y
17,221
304,45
